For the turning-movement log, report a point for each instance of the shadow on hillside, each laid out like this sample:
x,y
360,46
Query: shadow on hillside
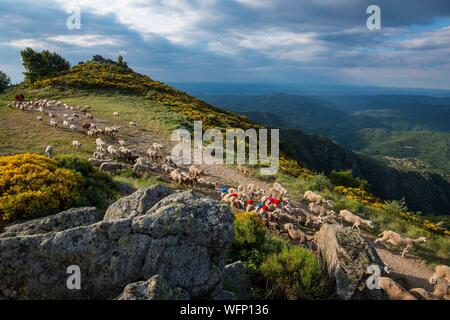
x,y
410,282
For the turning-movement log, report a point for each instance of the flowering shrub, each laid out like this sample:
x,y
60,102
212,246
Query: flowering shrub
x,y
291,167
398,208
359,195
33,185
248,230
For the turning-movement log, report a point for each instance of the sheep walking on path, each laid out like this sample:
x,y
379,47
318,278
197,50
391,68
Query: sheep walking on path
x,y
317,198
355,220
398,240
295,233
394,290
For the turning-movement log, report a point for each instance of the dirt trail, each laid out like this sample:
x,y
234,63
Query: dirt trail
x,y
409,272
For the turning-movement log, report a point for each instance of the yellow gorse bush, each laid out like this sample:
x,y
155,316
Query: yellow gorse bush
x,y
32,185
243,215
359,195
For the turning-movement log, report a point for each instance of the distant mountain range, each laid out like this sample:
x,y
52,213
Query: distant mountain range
x,y
399,126
219,88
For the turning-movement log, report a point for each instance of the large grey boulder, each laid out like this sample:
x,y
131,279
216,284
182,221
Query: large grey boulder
x,y
177,197
184,242
137,203
156,288
347,256
61,221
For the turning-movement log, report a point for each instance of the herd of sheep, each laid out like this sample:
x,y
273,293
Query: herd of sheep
x,y
273,206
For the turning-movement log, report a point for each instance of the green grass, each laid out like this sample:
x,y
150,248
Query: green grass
x,y
150,115
20,132
130,178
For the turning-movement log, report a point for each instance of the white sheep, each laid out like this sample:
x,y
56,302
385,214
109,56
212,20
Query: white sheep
x,y
317,198
116,114
281,190
157,146
76,144
54,123
355,220
169,161
112,151
99,142
66,124
49,151
294,232
317,209
398,240
166,168
441,289
244,170
440,271
194,172
393,290
73,127
152,154
39,118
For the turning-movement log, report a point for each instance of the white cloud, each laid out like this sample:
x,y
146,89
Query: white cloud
x,y
256,3
89,40
24,43
174,20
428,40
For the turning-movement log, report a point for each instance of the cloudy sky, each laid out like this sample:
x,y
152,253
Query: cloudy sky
x,y
255,41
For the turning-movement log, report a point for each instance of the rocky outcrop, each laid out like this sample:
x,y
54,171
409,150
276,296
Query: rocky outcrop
x,y
237,280
183,242
64,220
347,256
177,197
156,288
137,203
